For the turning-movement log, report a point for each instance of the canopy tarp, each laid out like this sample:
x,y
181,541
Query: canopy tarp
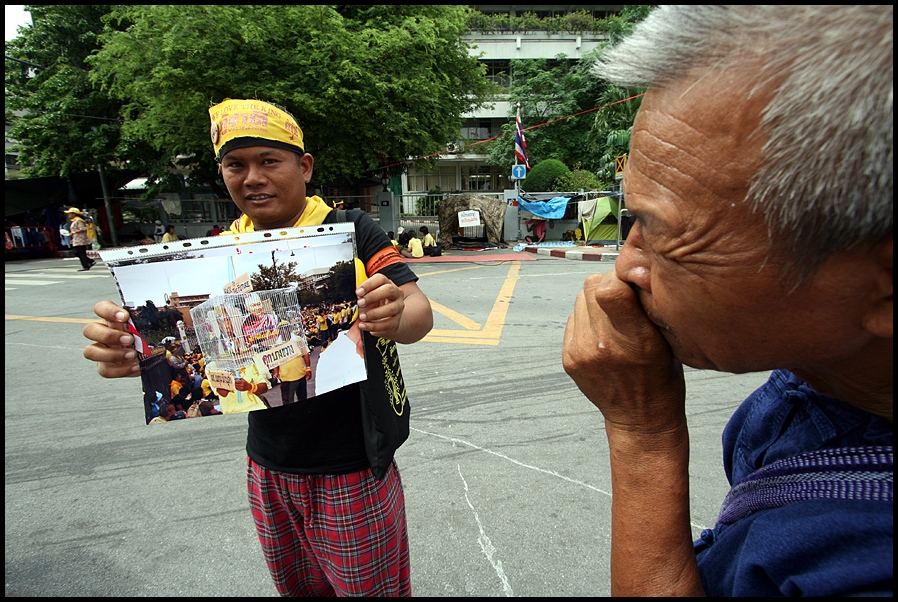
x,y
553,208
34,194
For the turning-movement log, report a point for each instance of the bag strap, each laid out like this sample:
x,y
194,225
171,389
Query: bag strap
x,y
846,473
335,216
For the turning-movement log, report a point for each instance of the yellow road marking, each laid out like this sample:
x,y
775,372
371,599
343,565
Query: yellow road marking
x,y
45,319
456,317
473,334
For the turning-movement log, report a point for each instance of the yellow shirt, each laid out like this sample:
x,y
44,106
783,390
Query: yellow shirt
x,y
244,401
295,369
415,248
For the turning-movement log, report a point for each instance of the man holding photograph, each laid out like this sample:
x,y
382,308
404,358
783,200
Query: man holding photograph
x,y
332,447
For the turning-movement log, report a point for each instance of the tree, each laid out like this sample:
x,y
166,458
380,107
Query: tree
x,y
68,125
612,127
551,94
342,283
558,95
131,84
275,276
369,85
578,179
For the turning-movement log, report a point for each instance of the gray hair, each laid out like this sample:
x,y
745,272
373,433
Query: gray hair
x,y
825,182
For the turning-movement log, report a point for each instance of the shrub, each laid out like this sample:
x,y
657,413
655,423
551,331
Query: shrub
x,y
543,176
579,179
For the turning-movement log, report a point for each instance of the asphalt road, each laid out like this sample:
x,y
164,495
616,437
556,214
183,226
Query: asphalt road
x,y
505,472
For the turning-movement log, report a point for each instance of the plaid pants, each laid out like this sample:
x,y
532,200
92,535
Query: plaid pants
x,y
332,535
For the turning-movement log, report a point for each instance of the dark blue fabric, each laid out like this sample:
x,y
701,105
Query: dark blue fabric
x,y
809,548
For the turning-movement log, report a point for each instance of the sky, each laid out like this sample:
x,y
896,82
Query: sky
x,y
152,281
14,17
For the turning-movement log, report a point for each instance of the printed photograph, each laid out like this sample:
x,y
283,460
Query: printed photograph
x,y
241,322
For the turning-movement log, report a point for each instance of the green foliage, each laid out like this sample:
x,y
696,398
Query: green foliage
x,y
69,126
341,285
544,175
369,85
573,22
430,204
549,94
612,127
558,99
578,179
274,276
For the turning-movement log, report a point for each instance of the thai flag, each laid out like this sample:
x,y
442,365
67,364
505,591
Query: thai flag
x,y
520,145
139,343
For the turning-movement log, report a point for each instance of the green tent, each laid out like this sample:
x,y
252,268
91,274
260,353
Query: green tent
x,y
603,225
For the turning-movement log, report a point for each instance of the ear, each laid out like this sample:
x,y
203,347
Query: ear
x,y
879,318
307,165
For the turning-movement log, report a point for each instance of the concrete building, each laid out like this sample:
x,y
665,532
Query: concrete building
x,y
462,167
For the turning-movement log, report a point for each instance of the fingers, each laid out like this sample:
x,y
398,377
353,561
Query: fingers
x,y
619,359
112,346
112,313
113,362
380,305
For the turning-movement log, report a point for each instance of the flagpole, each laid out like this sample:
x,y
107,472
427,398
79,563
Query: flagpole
x,y
517,182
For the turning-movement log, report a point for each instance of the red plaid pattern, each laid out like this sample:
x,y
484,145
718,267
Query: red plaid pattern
x,y
332,535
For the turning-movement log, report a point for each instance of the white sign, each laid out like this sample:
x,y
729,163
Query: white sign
x,y
241,284
468,218
221,380
278,355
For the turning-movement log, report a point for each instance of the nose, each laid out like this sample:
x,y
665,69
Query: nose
x,y
633,264
255,175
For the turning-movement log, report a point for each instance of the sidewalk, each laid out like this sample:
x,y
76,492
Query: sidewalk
x,y
583,253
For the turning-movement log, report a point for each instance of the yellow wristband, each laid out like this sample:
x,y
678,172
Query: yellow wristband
x,y
253,389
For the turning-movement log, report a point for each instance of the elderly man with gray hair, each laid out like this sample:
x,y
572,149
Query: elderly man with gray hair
x,y
760,180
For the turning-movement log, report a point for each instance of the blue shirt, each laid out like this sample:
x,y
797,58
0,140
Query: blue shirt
x,y
807,548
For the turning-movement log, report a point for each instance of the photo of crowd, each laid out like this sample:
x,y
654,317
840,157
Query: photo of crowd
x,y
288,333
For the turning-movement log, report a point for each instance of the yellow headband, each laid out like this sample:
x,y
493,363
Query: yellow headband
x,y
239,123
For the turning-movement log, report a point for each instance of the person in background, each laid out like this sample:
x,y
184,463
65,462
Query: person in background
x,y
215,231
760,183
158,231
403,237
413,248
537,225
427,239
331,457
429,244
80,241
169,235
296,372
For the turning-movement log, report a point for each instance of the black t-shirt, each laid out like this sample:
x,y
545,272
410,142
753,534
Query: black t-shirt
x,y
323,435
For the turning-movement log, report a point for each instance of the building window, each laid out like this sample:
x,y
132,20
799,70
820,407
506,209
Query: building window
x,y
498,70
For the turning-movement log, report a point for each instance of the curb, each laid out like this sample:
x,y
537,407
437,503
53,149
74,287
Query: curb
x,y
579,253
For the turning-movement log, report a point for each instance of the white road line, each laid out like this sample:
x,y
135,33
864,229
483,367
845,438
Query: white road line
x,y
486,545
31,282
53,275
